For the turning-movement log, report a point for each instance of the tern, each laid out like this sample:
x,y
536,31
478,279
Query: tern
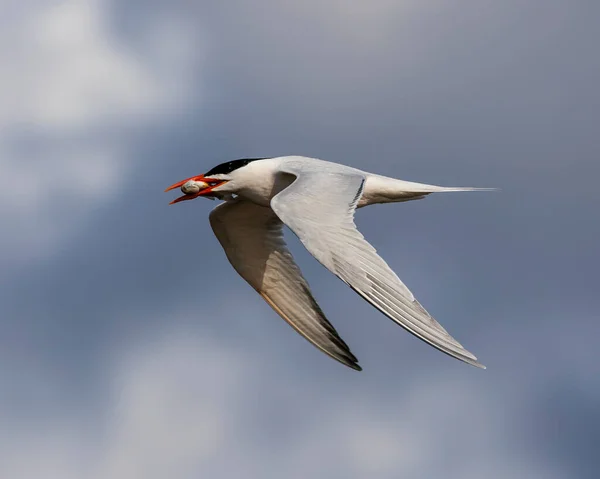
x,y
316,199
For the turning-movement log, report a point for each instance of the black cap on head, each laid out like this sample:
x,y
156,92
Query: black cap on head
x,y
228,167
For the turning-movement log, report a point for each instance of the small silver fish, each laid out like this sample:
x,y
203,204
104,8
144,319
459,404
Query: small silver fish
x,y
193,186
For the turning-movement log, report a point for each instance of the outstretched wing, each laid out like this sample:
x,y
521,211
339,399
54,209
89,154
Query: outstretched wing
x,y
319,208
252,238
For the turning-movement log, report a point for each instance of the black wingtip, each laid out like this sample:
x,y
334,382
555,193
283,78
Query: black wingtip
x,y
353,365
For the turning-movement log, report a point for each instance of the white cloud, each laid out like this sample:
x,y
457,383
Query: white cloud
x,y
171,414
69,70
166,416
182,405
70,89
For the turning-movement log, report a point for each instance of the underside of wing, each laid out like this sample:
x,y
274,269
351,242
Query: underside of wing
x,y
319,209
252,238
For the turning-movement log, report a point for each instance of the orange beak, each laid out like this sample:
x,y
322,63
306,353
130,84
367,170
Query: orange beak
x,y
213,183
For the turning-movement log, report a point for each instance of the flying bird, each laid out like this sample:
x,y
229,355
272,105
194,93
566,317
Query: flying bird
x,y
316,199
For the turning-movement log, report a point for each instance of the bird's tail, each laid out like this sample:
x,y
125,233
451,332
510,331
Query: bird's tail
x,y
391,190
450,189
412,187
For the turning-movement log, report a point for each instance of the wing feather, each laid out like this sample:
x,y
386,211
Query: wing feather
x,y
252,237
329,233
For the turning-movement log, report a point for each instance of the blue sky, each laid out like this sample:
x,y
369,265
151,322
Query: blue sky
x,y
130,348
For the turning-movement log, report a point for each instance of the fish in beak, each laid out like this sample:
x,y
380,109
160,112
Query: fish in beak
x,y
194,187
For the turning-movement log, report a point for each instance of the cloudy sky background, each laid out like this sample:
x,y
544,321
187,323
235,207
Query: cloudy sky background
x,y
129,348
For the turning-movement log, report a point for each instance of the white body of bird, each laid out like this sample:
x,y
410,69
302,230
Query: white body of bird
x,y
259,181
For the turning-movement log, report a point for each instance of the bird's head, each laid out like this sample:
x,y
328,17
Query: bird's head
x,y
215,183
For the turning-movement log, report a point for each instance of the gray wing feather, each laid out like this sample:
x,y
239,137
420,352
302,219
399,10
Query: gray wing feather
x,y
319,209
252,237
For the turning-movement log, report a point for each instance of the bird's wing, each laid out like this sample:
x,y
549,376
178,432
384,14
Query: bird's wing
x,y
252,237
319,208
